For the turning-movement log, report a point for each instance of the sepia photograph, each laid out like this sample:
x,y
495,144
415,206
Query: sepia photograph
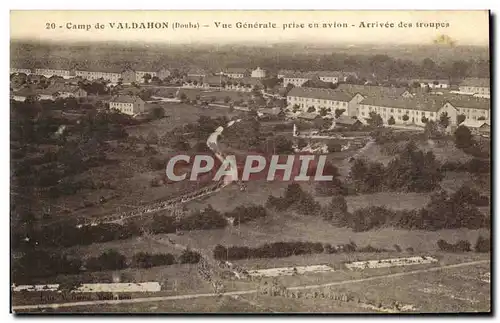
x,y
250,161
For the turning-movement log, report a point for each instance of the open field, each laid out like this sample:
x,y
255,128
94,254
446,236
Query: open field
x,y
178,114
291,227
224,304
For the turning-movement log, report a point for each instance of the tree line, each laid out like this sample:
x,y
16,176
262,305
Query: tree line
x,y
41,264
68,234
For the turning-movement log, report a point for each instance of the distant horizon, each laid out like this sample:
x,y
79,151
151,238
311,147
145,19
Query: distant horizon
x,y
243,43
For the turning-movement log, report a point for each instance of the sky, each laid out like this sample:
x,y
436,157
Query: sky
x,y
463,27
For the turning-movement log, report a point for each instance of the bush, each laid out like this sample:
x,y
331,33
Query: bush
x,y
271,250
146,260
38,264
189,257
203,220
482,245
463,137
294,198
334,147
242,214
460,246
108,260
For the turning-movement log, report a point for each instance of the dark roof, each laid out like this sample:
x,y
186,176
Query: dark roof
x,y
474,81
193,78
346,120
214,80
100,68
467,101
317,93
372,91
308,115
431,81
125,99
236,70
196,71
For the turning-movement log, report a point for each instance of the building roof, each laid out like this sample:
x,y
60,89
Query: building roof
x,y
475,81
193,78
371,90
285,72
214,80
100,68
308,115
432,104
236,70
474,123
317,93
26,91
255,81
440,81
272,111
196,71
125,99
346,120
313,74
316,83
467,101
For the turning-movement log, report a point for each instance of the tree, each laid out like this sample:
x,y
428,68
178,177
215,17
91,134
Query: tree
x,y
431,129
424,119
463,137
375,120
157,112
460,118
339,112
108,260
282,145
183,97
301,143
323,111
482,245
406,117
147,77
444,120
227,99
336,211
391,121
311,109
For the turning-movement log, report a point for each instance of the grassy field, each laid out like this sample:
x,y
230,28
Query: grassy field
x,y
178,114
291,227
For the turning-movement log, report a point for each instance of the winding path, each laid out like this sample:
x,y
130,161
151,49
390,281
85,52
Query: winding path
x,y
164,205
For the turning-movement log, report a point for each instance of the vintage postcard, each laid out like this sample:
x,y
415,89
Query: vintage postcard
x,y
250,162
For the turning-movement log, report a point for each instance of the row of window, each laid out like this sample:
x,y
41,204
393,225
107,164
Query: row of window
x,y
300,99
42,71
329,79
393,110
400,117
